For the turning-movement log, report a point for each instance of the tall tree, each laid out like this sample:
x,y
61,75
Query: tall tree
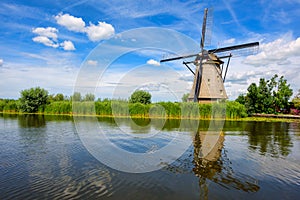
x,y
89,97
251,98
270,96
140,96
185,97
282,94
296,100
76,96
32,99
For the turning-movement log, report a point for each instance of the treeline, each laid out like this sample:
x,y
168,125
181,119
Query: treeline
x,y
270,97
229,109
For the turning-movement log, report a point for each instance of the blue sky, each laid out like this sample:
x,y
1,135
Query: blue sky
x,y
45,43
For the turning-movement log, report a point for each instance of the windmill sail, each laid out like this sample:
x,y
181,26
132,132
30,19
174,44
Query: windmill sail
x,y
237,50
208,82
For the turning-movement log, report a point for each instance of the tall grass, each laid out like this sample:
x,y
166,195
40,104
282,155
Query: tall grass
x,y
58,107
186,110
9,105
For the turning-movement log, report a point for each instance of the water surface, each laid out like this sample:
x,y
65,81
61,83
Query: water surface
x,y
43,157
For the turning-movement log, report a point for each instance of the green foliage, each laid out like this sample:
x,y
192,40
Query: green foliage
x,y
120,107
140,96
9,105
171,109
59,107
76,96
138,109
57,97
296,101
270,96
89,97
185,97
283,94
241,99
84,108
2,104
103,107
190,109
235,110
32,99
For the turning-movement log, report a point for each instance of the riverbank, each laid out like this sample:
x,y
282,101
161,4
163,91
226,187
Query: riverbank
x,y
256,117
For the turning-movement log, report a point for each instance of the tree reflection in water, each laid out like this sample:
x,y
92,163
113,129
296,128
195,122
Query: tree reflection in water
x,y
31,121
270,138
216,167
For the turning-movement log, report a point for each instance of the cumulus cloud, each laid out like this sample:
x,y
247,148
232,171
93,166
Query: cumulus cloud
x,y
48,32
153,62
1,62
67,45
101,31
70,22
46,41
48,37
241,77
276,52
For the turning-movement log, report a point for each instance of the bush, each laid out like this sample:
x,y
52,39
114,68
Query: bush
x,y
140,96
33,98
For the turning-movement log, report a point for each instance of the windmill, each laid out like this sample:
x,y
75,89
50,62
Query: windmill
x,y
210,73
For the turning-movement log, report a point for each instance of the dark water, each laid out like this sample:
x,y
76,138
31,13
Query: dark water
x,y
42,157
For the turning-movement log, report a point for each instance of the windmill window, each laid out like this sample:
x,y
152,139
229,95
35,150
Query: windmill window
x,y
208,80
221,92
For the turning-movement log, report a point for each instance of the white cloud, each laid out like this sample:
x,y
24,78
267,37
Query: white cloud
x,y
92,62
48,37
153,62
102,31
70,22
45,40
48,32
67,45
1,62
276,52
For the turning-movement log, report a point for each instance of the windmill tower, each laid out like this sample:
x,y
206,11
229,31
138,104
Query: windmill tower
x,y
210,73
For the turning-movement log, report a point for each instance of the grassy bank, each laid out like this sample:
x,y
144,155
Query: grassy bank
x,y
230,109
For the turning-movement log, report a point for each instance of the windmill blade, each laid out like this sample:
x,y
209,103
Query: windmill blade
x,y
178,58
209,27
237,50
203,29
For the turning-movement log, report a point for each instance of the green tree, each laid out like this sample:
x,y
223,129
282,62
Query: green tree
x,y
89,97
76,96
57,97
270,96
140,96
241,99
251,98
296,100
33,99
264,98
185,97
282,94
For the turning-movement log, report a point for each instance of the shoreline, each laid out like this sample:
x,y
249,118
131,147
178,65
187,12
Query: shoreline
x,y
253,117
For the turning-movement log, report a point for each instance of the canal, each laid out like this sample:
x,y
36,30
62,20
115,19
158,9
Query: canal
x,y
51,157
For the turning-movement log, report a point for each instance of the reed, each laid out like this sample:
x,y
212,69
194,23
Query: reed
x,y
187,110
